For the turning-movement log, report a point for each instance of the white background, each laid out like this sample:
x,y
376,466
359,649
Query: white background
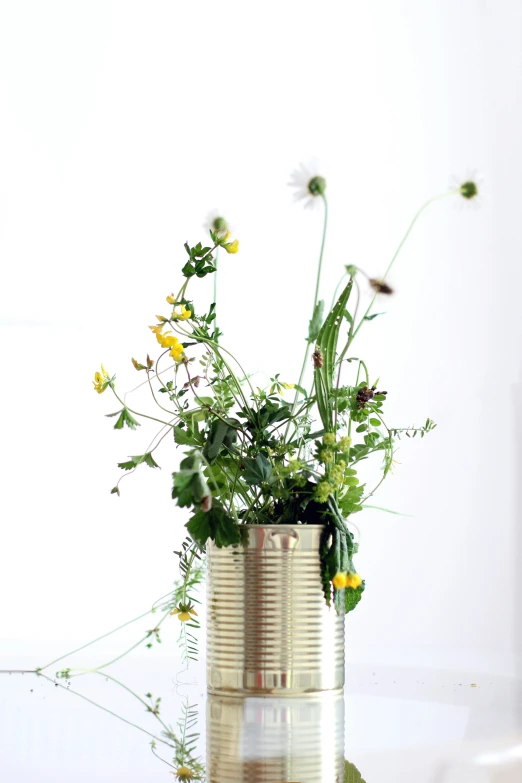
x,y
122,124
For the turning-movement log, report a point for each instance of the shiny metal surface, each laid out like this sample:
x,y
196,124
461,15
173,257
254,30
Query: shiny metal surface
x,y
269,630
270,740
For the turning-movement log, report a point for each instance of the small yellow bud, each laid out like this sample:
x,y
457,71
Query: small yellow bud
x,y
329,439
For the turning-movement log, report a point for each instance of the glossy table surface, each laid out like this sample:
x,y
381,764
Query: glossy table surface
x,y
390,724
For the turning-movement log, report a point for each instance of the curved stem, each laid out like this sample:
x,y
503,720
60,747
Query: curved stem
x,y
316,297
105,635
401,244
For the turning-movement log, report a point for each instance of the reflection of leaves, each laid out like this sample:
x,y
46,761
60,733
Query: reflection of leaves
x,y
352,774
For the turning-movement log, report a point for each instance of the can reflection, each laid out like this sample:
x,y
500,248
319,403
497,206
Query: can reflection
x,y
275,740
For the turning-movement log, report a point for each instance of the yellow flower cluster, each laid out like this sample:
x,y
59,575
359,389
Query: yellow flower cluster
x,y
184,612
181,313
168,340
342,445
326,455
101,380
323,491
346,579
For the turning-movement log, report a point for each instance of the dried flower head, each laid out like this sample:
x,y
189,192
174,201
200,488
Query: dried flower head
x,y
380,287
318,359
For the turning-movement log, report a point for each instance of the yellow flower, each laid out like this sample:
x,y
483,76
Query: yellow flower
x,y
184,612
353,580
183,774
101,380
232,247
181,313
167,340
177,352
171,299
157,328
339,581
329,439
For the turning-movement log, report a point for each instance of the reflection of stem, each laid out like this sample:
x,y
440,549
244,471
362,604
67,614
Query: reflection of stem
x,y
105,709
125,687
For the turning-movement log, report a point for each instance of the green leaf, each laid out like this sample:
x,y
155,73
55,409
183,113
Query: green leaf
x,y
190,486
352,774
352,597
149,460
215,524
375,422
317,321
222,433
371,317
257,470
133,462
327,344
351,269
183,437
124,418
130,465
361,428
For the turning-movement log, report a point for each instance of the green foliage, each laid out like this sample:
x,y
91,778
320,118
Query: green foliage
x,y
133,462
251,456
222,435
216,525
352,774
327,344
124,418
316,322
257,470
190,486
200,261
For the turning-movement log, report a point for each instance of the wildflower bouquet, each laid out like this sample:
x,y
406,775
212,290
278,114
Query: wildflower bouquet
x,y
250,456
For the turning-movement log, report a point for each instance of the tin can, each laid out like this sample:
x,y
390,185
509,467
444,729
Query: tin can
x,y
269,631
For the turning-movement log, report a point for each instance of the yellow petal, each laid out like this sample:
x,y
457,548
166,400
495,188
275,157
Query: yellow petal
x,y
104,372
193,611
98,378
183,616
171,299
232,247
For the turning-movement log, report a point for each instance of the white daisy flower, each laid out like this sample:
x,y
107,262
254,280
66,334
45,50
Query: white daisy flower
x,y
308,184
215,221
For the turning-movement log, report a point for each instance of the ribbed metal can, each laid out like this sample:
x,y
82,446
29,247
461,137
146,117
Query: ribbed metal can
x,y
274,739
269,631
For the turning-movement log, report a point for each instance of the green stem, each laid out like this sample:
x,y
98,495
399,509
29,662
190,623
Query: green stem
x,y
105,635
401,244
316,297
109,663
